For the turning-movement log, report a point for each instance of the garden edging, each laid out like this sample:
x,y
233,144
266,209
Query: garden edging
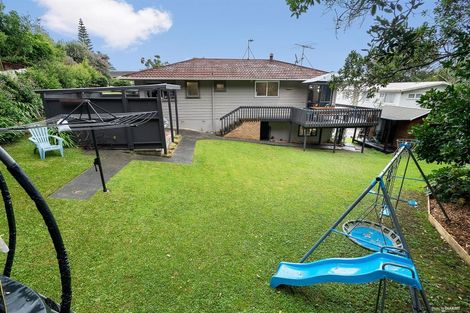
x,y
448,237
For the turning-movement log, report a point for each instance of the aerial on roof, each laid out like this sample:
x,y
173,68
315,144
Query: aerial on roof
x,y
400,113
408,86
228,69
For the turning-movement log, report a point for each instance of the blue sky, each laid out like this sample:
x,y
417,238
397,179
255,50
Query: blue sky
x,y
202,28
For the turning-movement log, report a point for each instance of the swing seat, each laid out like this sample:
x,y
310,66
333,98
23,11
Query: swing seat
x,y
366,269
371,235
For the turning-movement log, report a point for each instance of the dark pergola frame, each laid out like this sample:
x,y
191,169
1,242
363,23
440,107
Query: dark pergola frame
x,y
91,117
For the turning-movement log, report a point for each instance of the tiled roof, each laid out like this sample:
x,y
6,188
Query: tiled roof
x,y
228,69
399,113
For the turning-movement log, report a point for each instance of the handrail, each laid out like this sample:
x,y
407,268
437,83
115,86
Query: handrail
x,y
327,117
413,275
232,119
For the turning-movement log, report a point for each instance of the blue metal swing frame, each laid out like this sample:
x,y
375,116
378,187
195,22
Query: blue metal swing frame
x,y
393,263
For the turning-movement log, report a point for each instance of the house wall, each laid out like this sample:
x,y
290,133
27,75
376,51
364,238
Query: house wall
x,y
404,127
345,97
280,132
400,99
411,103
204,113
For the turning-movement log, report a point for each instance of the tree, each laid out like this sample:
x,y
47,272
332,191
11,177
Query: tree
x,y
78,52
23,41
398,50
444,137
83,36
153,63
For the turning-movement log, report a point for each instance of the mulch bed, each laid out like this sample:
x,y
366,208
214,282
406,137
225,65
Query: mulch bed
x,y
459,226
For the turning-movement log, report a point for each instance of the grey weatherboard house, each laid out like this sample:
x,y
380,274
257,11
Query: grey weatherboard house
x,y
221,95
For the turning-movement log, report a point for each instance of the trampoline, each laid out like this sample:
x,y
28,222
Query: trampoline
x,y
17,297
371,235
22,299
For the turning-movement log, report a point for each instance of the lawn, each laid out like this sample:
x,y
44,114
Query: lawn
x,y
207,237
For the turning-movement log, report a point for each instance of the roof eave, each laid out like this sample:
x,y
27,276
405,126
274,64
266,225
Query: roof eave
x,y
212,78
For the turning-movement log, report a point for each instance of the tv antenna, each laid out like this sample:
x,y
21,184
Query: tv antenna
x,y
303,56
248,51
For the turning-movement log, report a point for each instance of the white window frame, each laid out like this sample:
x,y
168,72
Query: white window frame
x,y
411,96
267,82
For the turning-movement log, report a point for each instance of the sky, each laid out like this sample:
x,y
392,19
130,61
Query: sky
x,y
128,30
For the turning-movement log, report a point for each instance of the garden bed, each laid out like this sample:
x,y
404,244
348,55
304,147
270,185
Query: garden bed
x,y
457,231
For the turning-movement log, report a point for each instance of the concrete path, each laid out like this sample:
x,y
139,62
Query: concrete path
x,y
88,183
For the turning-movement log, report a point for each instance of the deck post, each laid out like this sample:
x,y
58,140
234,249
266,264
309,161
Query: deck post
x,y
364,140
305,139
334,141
319,137
354,135
388,125
290,131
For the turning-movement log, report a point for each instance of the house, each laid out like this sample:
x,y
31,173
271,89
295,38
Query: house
x,y
400,110
261,99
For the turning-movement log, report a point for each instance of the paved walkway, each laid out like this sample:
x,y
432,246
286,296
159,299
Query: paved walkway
x,y
88,183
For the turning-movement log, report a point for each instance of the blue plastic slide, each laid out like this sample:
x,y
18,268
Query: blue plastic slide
x,y
360,270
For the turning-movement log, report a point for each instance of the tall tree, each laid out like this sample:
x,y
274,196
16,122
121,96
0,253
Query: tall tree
x,y
397,47
153,63
83,36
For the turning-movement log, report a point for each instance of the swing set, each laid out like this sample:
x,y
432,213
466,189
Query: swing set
x,y
377,229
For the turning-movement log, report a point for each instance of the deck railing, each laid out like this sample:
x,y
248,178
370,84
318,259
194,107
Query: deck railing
x,y
327,117
241,114
336,117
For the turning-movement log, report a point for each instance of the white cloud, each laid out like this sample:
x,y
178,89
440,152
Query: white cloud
x,y
115,21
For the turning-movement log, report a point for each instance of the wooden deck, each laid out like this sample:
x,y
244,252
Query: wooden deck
x,y
327,117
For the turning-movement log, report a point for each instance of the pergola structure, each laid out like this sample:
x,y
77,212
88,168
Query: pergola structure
x,y
114,111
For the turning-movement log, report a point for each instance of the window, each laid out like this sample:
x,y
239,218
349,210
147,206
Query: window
x,y
388,97
414,95
164,95
219,86
309,132
267,89
192,89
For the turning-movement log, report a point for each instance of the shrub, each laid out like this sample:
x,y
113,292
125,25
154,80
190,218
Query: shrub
x,y
119,82
69,137
50,75
19,104
452,184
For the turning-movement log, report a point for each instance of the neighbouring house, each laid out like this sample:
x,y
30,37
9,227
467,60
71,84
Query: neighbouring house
x,y
260,99
400,110
119,74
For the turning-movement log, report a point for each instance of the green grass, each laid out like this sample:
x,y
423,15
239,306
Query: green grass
x,y
206,237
